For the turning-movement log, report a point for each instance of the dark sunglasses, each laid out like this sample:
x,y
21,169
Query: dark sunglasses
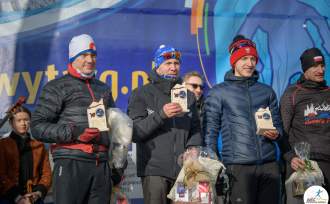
x,y
240,44
195,86
172,55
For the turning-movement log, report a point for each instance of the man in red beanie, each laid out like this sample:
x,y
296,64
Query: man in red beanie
x,y
305,110
229,111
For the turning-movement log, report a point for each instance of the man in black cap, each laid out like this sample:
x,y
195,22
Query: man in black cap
x,y
305,109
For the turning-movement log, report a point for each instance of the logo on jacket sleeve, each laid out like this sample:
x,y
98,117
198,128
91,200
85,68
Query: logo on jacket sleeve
x,y
150,111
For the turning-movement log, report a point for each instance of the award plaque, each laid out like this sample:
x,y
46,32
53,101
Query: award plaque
x,y
96,116
179,95
264,120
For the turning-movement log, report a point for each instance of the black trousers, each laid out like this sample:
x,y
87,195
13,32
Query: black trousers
x,y
81,182
155,189
254,184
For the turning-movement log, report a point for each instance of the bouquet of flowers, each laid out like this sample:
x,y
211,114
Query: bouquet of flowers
x,y
196,180
309,176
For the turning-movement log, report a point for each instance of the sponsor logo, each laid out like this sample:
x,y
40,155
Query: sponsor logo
x,y
150,111
266,116
316,194
99,112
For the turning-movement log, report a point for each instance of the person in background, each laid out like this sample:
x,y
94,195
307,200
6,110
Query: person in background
x,y
194,83
25,173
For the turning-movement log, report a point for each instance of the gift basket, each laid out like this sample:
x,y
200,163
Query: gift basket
x,y
196,180
309,176
118,196
121,130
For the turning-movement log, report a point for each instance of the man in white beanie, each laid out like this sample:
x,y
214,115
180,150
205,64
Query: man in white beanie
x,y
81,171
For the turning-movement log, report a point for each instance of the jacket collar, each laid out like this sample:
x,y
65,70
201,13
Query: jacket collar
x,y
164,85
73,72
302,81
229,76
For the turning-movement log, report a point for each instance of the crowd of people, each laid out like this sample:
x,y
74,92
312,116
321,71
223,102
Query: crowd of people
x,y
222,120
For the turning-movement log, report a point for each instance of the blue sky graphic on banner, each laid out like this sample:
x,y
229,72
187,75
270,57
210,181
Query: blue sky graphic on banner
x,y
282,30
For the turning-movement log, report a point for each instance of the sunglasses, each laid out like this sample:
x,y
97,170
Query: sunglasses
x,y
172,55
240,44
195,86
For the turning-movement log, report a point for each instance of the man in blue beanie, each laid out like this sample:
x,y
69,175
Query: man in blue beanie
x,y
162,131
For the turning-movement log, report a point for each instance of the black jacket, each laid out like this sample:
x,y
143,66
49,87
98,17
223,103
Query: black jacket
x,y
305,110
160,140
61,113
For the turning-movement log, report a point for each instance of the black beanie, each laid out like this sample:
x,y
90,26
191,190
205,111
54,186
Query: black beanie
x,y
311,57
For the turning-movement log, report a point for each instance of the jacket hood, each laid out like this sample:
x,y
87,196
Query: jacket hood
x,y
311,84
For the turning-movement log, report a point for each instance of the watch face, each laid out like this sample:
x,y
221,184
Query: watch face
x,y
99,112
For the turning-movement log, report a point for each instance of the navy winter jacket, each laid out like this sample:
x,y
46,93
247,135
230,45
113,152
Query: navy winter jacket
x,y
229,111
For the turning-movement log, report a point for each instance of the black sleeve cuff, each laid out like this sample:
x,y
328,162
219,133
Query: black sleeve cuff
x,y
42,189
162,114
77,131
12,193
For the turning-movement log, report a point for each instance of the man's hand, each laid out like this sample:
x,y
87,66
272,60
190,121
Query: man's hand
x,y
89,134
24,200
297,163
34,196
172,109
271,134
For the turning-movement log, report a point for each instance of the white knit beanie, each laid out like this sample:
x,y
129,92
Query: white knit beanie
x,y
79,45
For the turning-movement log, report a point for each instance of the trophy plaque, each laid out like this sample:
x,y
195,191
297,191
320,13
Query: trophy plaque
x,y
96,116
264,120
179,95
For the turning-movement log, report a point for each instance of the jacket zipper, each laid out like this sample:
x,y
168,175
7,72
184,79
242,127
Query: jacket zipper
x,y
253,123
174,149
90,90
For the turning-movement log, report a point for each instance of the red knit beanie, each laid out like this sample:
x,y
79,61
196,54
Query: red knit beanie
x,y
241,47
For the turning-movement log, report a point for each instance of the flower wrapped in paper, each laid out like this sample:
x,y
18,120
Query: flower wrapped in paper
x,y
197,178
304,178
121,130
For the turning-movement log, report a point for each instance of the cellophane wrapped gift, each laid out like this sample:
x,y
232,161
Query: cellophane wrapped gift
x,y
118,196
196,180
309,176
121,130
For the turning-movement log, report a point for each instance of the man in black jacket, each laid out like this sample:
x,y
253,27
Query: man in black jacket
x,y
305,110
81,171
162,131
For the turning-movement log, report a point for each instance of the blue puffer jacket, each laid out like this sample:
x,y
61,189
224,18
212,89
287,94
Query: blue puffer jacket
x,y
229,111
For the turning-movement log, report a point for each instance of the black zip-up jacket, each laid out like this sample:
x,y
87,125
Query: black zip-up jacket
x,y
160,140
61,114
305,110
